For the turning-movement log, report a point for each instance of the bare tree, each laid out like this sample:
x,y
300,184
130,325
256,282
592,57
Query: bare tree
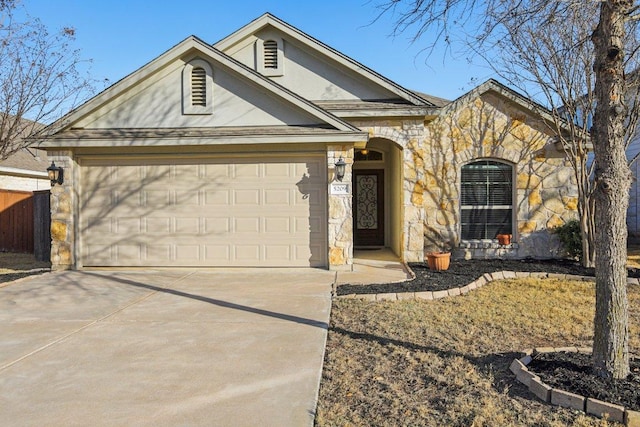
x,y
40,77
555,64
577,55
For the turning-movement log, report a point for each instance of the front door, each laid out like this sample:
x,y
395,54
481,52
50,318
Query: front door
x,y
368,207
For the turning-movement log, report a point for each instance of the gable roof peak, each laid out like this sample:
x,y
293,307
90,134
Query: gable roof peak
x,y
325,50
190,44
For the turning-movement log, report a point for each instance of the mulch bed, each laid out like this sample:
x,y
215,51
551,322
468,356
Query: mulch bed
x,y
463,272
573,372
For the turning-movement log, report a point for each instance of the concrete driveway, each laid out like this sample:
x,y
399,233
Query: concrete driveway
x,y
164,348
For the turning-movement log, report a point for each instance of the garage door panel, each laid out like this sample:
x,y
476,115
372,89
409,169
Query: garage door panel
x,y
246,197
249,172
131,253
277,197
158,252
187,252
278,225
187,198
247,253
157,225
128,226
279,170
228,212
217,197
187,226
217,225
273,253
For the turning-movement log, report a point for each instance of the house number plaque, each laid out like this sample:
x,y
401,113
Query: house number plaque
x,y
339,188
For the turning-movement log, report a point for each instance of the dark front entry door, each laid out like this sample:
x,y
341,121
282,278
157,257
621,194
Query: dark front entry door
x,y
368,207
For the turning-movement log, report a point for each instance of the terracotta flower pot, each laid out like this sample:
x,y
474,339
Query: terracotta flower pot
x,y
439,261
504,239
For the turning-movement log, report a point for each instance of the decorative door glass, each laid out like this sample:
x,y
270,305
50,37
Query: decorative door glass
x,y
367,202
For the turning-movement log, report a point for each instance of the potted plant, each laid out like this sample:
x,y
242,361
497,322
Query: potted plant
x,y
504,239
440,259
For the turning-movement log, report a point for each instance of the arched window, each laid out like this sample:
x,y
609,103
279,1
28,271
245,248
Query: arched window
x,y
197,87
486,199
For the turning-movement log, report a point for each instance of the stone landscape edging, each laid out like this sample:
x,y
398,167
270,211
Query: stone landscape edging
x,y
476,284
566,399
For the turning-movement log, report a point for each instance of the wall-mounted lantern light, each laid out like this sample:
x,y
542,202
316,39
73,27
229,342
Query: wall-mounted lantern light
x,y
340,166
56,174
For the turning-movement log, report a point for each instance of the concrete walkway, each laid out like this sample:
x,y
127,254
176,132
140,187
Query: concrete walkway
x,y
374,266
163,348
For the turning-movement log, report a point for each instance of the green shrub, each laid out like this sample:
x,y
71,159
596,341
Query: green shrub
x,y
571,238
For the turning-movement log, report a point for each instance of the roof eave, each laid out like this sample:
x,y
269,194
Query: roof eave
x,y
177,141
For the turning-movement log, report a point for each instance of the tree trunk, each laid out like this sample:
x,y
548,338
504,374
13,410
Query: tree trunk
x,y
613,179
587,232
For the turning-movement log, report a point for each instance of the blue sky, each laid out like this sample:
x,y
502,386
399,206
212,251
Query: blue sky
x,y
122,35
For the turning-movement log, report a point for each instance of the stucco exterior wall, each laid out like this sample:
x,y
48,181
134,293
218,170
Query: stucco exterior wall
x,y
545,192
156,102
307,74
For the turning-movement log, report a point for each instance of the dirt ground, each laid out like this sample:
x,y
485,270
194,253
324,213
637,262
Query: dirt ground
x,y
17,265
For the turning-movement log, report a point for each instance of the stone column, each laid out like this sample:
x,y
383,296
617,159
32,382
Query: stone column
x,y
340,227
63,213
413,201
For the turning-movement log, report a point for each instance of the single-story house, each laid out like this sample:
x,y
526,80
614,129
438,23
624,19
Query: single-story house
x,y
226,154
25,170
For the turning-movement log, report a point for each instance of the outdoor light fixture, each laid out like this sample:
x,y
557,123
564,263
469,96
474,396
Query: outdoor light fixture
x,y
55,174
340,166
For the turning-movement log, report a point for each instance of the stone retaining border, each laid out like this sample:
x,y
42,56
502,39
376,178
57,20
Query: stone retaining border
x,y
565,399
476,284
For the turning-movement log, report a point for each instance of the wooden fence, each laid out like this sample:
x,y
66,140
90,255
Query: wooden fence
x,y
25,223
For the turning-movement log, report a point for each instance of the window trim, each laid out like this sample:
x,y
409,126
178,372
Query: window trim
x,y
514,201
260,57
187,103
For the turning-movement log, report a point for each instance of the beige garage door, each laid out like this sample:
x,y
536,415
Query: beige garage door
x,y
217,212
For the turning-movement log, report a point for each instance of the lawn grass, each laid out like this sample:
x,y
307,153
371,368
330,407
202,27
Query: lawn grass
x,y
633,256
17,265
445,362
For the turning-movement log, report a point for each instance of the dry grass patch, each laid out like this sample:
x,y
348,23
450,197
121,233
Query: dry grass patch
x,y
633,256
445,362
17,265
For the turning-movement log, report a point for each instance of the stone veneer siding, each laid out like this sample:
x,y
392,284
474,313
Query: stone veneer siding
x,y
340,227
545,193
63,200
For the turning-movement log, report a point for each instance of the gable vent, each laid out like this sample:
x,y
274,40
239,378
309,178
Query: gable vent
x,y
198,87
271,54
